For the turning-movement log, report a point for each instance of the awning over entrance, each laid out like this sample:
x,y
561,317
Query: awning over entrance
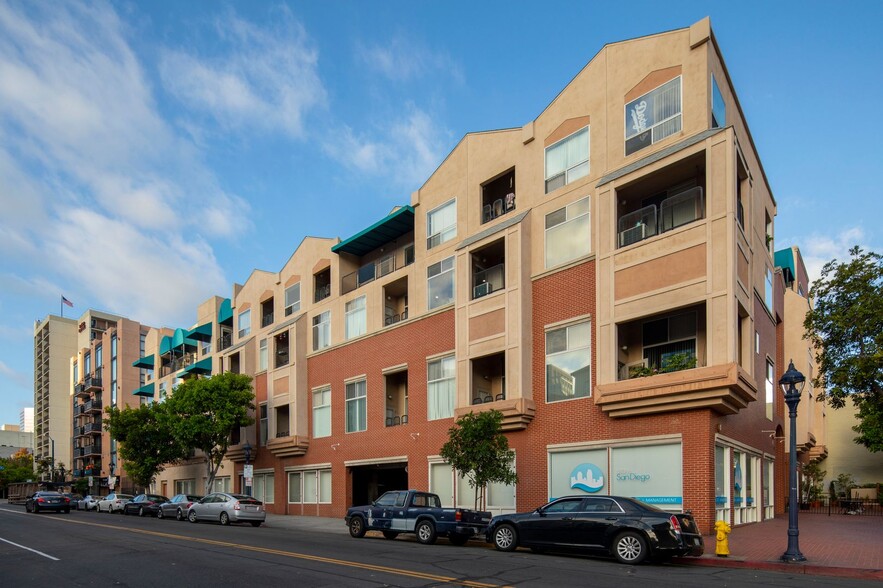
x,y
398,223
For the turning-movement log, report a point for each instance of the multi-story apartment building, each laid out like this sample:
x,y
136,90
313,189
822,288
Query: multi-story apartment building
x,y
602,275
26,419
55,341
101,371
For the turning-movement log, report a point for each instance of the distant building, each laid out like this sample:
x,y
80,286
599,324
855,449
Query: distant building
x,y
26,419
12,441
55,341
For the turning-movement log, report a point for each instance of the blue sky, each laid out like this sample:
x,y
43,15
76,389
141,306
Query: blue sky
x,y
153,153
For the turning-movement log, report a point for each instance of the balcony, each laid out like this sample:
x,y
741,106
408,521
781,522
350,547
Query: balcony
x,y
80,391
498,196
93,406
395,295
91,449
92,383
388,263
396,398
322,292
93,428
79,431
225,340
266,319
489,269
288,445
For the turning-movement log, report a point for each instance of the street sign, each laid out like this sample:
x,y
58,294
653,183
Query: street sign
x,y
248,482
248,472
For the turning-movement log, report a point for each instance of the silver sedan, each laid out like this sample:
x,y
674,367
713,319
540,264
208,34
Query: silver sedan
x,y
228,508
177,507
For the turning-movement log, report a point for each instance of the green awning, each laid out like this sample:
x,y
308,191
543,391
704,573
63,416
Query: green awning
x,y
179,339
225,313
144,362
201,333
784,258
145,390
396,224
165,345
203,367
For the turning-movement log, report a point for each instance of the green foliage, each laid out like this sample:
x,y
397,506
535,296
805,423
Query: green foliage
x,y
672,363
813,474
146,440
18,468
479,451
845,327
80,486
844,483
205,412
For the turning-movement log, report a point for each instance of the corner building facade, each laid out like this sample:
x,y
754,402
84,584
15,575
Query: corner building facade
x,y
603,276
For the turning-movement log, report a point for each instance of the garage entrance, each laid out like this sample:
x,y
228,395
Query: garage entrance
x,y
370,481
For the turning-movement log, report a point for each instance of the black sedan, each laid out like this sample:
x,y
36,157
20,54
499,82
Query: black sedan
x,y
625,528
144,504
178,506
45,501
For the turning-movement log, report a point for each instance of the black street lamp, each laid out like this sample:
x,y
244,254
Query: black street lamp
x,y
248,476
792,383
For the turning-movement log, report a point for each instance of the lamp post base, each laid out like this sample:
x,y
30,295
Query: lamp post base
x,y
795,557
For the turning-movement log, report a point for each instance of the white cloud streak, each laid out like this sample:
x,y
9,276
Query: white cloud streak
x,y
403,59
820,249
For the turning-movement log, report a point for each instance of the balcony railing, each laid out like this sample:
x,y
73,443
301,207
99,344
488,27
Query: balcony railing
x,y
225,341
322,292
267,319
80,390
92,383
675,211
392,421
282,358
369,272
93,406
490,280
93,428
94,449
394,318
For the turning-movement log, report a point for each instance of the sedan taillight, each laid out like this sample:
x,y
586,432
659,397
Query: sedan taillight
x,y
675,524
41,500
236,506
67,500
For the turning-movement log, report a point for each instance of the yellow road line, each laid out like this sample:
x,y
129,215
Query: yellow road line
x,y
291,554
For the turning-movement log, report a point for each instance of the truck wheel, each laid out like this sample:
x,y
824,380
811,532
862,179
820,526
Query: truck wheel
x,y
630,548
390,534
505,538
357,527
458,539
425,532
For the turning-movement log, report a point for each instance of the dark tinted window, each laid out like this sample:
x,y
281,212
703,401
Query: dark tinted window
x,y
564,505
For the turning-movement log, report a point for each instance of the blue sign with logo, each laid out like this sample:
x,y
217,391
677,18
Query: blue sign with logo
x,y
587,477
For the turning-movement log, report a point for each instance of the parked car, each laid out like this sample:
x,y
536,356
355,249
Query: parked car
x,y
228,508
113,502
74,499
627,529
144,504
46,501
90,502
412,511
177,507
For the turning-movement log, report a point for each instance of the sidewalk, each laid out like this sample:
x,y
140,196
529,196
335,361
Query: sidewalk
x,y
836,545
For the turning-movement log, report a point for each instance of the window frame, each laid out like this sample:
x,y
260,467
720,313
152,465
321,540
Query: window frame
x,y
442,272
293,306
240,330
353,313
568,220
263,355
567,350
323,324
444,239
567,170
717,97
626,126
430,383
323,410
354,403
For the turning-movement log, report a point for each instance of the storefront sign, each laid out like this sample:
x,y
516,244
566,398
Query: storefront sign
x,y
587,477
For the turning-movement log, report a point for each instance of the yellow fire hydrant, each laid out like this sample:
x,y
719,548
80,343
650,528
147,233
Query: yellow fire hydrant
x,y
722,546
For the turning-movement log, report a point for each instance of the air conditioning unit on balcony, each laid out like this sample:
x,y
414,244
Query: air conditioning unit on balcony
x,y
633,235
482,289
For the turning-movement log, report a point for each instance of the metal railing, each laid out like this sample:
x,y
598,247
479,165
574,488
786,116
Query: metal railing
x,y
673,212
225,341
267,319
843,506
401,257
490,280
322,292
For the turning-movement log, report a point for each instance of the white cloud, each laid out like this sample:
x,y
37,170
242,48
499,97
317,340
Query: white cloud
x,y
265,79
403,59
406,150
820,249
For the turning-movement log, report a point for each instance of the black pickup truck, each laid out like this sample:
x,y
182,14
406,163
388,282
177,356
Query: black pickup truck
x,y
412,511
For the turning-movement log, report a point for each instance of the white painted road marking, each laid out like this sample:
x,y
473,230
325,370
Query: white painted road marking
x,y
29,549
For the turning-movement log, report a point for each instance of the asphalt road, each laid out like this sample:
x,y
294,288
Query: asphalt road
x,y
90,549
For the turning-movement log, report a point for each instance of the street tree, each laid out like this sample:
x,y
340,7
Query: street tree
x,y
845,326
146,439
206,411
479,451
17,468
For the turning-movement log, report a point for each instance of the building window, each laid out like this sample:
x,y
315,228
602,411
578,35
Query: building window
x,y
768,227
262,355
356,406
356,317
98,358
770,388
441,224
265,425
568,362
567,160
322,412
756,341
440,283
322,330
441,387
718,107
185,486
292,299
768,289
244,323
113,370
669,341
309,487
653,117
295,491
264,488
568,233
76,374
87,365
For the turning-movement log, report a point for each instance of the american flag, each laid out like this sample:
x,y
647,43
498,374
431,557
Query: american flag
x,y
66,301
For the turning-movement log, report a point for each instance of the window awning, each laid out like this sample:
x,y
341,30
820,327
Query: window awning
x,y
144,362
225,313
179,339
165,345
390,228
145,390
203,367
201,333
